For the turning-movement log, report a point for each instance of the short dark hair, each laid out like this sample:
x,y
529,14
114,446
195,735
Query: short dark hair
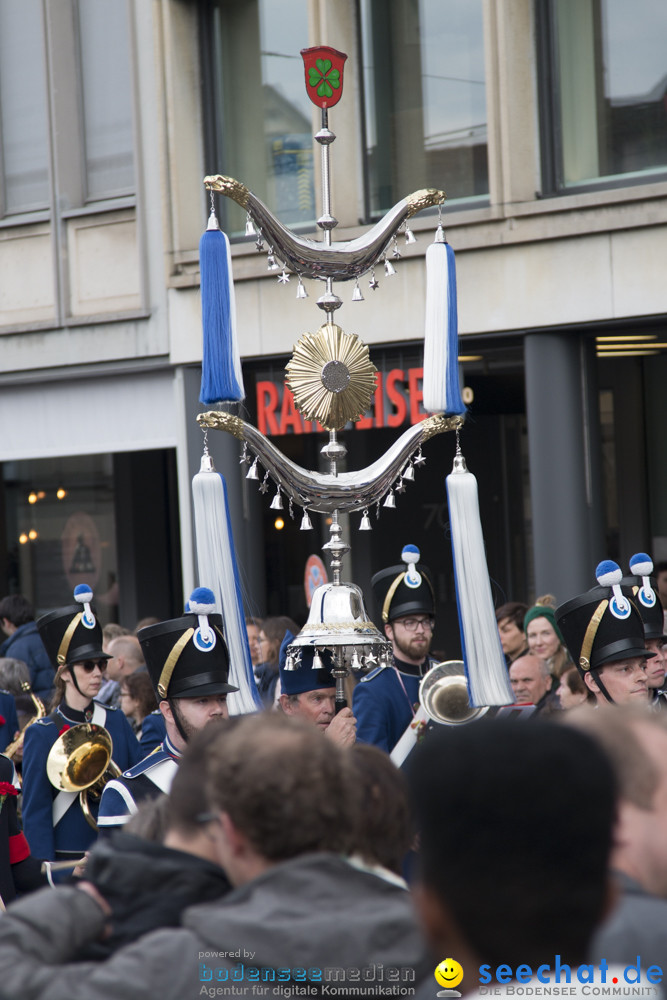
x,y
515,822
283,785
384,832
17,609
515,611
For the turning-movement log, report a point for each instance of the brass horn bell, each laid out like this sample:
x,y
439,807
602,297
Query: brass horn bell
x,y
80,761
443,694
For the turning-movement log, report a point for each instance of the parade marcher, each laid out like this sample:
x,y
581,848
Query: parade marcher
x,y
19,871
604,633
188,664
311,694
54,820
650,608
384,700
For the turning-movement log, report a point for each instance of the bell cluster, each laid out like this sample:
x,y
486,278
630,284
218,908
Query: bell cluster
x,y
274,263
398,486
361,658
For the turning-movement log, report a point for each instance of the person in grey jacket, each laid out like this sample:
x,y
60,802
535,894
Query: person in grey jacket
x,y
281,819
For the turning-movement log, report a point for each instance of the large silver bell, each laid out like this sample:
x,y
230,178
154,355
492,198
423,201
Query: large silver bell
x,y
338,618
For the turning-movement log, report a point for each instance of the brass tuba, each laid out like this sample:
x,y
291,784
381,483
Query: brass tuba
x,y
17,744
443,694
80,761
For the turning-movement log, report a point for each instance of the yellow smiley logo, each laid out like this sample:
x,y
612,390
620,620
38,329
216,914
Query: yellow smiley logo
x,y
449,973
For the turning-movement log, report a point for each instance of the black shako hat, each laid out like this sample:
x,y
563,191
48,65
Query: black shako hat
x,y
72,634
187,657
404,590
603,625
645,596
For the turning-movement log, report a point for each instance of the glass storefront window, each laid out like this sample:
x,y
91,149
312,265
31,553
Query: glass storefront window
x,y
61,531
262,118
425,99
611,66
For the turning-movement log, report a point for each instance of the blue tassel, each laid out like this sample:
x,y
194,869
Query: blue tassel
x,y
222,380
442,391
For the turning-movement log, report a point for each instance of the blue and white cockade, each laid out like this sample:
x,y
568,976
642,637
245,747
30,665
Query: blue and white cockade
x,y
642,565
84,595
609,574
202,604
410,556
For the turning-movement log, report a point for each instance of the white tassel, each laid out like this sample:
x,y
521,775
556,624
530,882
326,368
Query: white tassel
x,y
216,561
442,392
486,672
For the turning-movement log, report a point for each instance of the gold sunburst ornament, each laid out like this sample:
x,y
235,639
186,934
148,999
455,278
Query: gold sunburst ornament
x,y
331,376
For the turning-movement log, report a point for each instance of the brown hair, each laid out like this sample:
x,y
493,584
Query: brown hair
x,y
514,611
274,629
139,687
575,681
384,833
283,785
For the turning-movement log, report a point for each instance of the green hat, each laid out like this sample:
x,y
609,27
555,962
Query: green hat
x,y
543,611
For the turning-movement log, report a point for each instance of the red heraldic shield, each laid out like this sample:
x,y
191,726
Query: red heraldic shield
x,y
324,75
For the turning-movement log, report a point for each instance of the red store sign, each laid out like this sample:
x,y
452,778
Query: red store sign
x,y
396,401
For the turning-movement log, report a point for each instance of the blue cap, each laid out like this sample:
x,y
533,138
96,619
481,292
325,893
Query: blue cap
x,y
304,678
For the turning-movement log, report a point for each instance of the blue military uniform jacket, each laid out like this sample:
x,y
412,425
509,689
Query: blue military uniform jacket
x,y
153,732
151,777
10,723
47,831
383,704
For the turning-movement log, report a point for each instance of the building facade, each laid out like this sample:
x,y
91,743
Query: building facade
x,y
543,120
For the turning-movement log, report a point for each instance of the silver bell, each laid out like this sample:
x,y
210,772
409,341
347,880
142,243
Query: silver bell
x,y
277,502
389,269
252,472
390,500
408,472
365,523
306,523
